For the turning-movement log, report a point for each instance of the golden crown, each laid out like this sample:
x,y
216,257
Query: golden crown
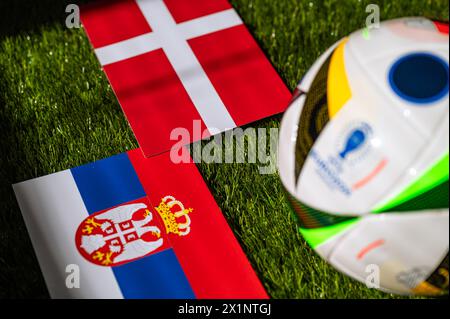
x,y
175,216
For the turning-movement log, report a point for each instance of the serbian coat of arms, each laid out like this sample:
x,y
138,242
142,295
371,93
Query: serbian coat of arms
x,y
131,231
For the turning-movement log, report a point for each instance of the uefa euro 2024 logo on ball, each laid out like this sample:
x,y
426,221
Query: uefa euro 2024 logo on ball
x,y
356,141
353,145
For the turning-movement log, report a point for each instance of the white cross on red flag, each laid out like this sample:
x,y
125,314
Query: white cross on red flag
x,y
172,62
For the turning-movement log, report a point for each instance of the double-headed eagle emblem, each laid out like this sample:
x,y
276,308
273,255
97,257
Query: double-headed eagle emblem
x,y
129,232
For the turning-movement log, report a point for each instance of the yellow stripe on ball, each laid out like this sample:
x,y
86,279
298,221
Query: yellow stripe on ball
x,y
337,84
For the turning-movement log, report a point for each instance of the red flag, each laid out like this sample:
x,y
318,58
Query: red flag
x,y
211,257
171,62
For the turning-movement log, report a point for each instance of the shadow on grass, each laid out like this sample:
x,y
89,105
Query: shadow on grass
x,y
20,276
22,16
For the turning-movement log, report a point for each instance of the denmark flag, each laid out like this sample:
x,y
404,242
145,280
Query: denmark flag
x,y
171,62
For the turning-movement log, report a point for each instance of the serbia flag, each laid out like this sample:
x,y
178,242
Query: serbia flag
x,y
134,227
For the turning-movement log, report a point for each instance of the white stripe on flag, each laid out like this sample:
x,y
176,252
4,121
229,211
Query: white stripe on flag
x,y
127,49
209,24
149,42
172,38
52,209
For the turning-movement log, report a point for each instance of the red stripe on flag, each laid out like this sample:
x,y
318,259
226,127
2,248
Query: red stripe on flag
x,y
183,10
243,77
210,255
153,99
108,22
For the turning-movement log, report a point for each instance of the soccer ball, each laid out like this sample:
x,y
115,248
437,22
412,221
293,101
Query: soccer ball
x,y
364,156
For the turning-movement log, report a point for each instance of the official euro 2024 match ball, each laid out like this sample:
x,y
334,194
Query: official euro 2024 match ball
x,y
364,156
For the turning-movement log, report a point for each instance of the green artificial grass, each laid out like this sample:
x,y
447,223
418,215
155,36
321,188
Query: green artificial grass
x,y
58,111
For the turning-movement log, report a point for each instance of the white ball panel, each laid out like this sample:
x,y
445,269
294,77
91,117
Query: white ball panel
x,y
393,145
326,248
425,118
396,37
436,149
408,241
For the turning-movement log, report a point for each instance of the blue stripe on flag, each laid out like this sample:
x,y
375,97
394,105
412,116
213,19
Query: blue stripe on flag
x,y
107,183
157,276
111,182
